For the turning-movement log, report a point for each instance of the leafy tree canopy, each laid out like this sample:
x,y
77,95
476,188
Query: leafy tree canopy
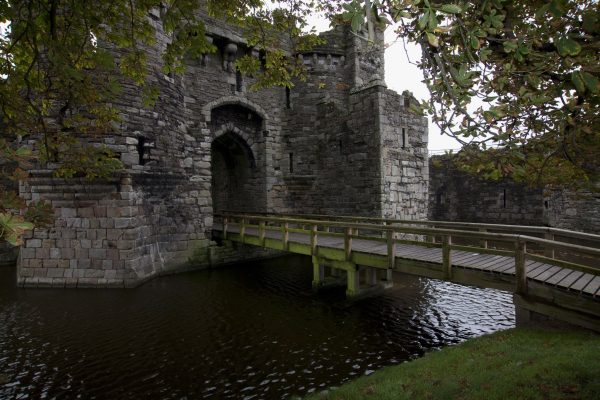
x,y
517,82
518,77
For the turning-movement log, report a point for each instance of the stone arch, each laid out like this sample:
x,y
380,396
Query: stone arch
x,y
234,100
229,132
237,179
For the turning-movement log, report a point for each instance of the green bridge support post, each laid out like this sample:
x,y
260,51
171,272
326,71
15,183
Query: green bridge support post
x,y
353,282
318,273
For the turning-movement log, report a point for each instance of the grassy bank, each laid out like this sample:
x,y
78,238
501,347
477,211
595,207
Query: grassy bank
x,y
513,364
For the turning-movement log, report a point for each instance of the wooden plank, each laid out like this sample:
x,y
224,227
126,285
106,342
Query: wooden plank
x,y
548,273
415,254
566,264
466,259
560,275
485,250
593,287
582,282
477,261
535,268
463,256
488,265
570,279
506,267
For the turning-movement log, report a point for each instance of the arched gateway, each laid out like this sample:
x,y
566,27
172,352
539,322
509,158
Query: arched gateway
x,y
238,174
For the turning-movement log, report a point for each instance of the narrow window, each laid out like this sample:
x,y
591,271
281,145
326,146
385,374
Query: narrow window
x,y
291,163
503,198
288,99
406,101
546,204
239,81
404,138
341,149
141,148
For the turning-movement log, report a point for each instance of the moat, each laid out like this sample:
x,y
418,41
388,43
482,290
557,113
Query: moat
x,y
251,331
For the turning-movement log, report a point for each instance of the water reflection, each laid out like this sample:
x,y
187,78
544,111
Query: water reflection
x,y
251,331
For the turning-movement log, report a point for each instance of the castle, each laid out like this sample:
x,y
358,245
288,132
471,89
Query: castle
x,y
340,143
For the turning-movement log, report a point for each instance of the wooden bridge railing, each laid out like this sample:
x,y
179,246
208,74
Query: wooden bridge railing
x,y
387,231
546,232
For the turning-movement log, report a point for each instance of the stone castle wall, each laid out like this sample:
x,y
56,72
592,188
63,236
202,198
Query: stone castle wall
x,y
210,144
578,211
458,196
455,195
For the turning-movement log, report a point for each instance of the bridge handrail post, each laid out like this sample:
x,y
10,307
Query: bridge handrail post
x,y
243,229
313,240
285,232
447,256
549,251
391,249
225,224
348,243
520,267
484,242
261,233
431,238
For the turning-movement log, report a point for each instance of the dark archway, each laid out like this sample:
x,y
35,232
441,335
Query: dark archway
x,y
236,181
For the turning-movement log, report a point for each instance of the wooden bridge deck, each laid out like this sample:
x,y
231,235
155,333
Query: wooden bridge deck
x,y
563,278
551,271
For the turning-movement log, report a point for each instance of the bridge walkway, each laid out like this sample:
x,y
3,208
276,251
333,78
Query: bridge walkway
x,y
564,278
556,275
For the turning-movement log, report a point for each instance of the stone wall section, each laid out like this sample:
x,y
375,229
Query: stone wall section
x,y
404,161
455,195
578,211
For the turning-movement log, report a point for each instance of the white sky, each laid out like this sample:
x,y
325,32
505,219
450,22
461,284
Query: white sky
x,y
401,75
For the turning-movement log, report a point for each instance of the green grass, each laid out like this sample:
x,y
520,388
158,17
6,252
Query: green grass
x,y
513,364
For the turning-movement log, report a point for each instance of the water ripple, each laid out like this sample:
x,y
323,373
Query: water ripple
x,y
255,331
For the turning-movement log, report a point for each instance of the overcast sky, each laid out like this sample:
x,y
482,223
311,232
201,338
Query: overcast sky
x,y
401,75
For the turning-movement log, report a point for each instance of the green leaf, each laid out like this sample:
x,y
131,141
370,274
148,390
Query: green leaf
x,y
432,39
567,47
510,46
13,239
432,23
451,9
558,7
422,23
591,82
578,82
23,152
357,21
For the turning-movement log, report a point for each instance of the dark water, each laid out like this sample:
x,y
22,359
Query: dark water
x,y
250,331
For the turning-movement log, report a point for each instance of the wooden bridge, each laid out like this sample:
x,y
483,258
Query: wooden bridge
x,y
553,272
